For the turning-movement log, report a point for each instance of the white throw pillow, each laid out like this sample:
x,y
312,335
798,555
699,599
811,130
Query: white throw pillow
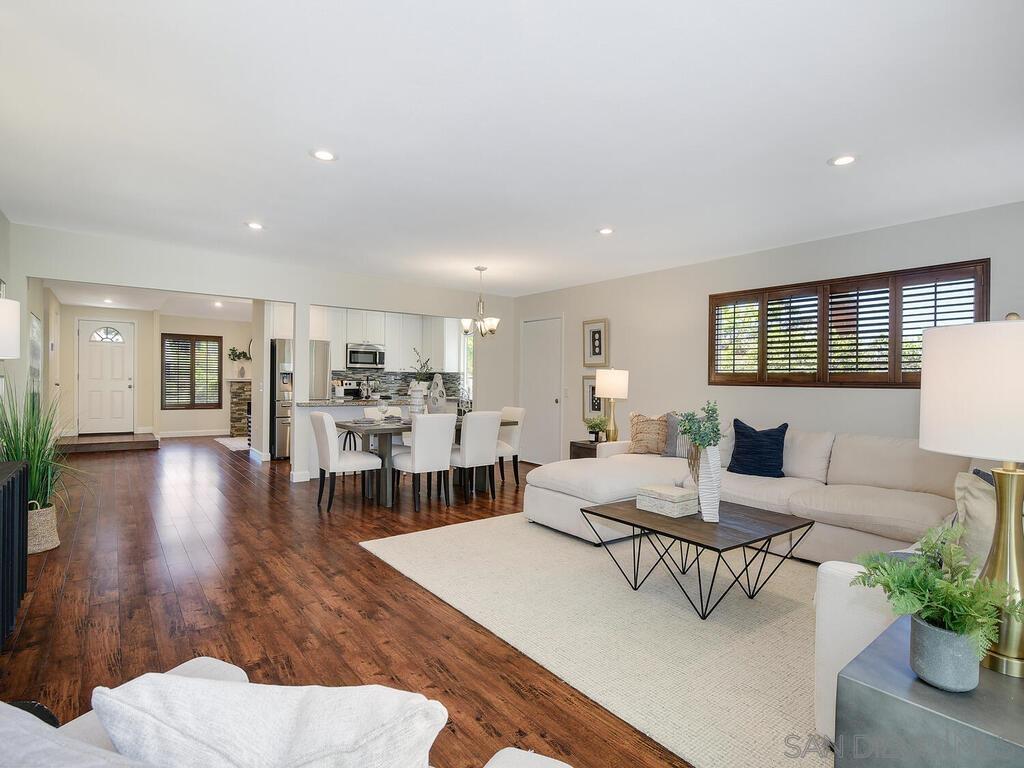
x,y
25,740
976,509
169,720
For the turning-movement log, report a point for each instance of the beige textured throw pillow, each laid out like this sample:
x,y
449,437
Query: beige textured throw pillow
x,y
976,509
647,434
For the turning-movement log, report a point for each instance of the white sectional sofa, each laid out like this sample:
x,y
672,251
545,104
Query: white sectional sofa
x,y
864,492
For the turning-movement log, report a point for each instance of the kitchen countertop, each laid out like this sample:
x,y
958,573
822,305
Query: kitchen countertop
x,y
337,402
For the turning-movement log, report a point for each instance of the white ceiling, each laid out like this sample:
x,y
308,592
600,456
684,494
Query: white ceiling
x,y
165,302
505,134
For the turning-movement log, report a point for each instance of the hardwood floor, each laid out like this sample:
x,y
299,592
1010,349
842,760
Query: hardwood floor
x,y
195,550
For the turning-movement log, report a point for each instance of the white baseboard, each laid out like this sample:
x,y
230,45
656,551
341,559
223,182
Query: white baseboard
x,y
195,433
260,456
143,430
69,432
300,477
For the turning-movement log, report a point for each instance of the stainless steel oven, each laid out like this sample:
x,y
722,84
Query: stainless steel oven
x,y
365,356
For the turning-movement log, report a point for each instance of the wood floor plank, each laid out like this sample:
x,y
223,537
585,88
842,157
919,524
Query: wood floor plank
x,y
196,550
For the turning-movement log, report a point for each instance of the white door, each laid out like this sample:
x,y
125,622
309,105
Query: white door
x,y
106,361
540,389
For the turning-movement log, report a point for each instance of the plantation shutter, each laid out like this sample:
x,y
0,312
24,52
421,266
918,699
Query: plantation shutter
x,y
947,297
858,331
735,339
791,335
190,371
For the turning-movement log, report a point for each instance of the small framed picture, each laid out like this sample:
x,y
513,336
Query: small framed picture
x,y
593,406
595,343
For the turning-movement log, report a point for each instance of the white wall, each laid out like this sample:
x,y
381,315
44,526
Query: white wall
x,y
659,321
129,261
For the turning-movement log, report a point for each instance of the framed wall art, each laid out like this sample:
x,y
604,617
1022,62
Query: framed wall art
x,y
593,406
595,343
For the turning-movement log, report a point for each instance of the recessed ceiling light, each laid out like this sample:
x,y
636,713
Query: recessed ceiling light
x,y
218,303
323,154
842,160
108,301
605,231
253,225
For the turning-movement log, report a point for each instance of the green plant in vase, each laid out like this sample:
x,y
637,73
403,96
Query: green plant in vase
x,y
596,425
955,614
30,432
701,432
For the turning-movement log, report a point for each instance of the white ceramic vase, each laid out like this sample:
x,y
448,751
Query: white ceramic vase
x,y
709,484
417,397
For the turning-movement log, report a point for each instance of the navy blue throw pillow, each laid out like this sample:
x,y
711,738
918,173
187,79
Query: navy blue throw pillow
x,y
758,452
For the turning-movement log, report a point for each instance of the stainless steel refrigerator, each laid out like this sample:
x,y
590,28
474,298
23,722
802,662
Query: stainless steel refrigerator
x,y
319,370
281,370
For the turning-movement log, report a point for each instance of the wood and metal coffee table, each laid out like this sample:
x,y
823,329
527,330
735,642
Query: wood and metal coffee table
x,y
742,528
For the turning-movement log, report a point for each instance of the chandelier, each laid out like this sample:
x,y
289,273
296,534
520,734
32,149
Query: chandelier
x,y
485,326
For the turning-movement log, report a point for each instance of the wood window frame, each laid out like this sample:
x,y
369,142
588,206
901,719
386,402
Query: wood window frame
x,y
895,377
192,405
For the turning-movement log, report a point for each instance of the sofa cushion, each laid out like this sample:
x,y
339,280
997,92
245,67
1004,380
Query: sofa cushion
x,y
758,452
169,720
895,514
611,479
806,454
892,462
647,434
771,493
976,509
28,741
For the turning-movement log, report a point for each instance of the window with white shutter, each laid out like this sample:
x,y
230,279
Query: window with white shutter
x,y
190,371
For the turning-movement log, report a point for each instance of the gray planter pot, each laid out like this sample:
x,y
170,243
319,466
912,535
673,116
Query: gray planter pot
x,y
942,658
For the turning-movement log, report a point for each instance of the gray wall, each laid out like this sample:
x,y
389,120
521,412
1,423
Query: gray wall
x,y
659,321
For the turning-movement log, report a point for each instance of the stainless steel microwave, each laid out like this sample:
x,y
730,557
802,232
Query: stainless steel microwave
x,y
364,356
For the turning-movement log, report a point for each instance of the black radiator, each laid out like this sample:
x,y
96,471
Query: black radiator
x,y
13,542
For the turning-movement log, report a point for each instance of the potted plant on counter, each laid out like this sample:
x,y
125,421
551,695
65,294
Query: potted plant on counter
x,y
29,432
955,615
704,433
595,426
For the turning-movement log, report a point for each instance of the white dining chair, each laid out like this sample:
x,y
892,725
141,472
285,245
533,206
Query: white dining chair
x,y
508,440
432,436
478,447
333,460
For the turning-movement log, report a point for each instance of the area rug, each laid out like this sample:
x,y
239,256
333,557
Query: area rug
x,y
737,689
234,443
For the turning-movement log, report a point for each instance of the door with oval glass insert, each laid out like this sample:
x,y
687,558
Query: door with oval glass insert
x,y
106,389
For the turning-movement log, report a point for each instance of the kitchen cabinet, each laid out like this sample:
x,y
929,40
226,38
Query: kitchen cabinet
x,y
365,327
403,333
319,326
337,320
441,340
412,340
282,320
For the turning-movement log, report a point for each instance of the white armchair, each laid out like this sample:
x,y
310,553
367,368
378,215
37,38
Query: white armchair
x,y
846,620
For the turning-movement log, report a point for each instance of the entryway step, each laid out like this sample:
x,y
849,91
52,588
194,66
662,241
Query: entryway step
x,y
90,443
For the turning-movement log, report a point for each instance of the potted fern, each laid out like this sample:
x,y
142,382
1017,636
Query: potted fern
x,y
30,432
955,615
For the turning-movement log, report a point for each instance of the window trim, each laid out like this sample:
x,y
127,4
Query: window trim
x,y
895,378
192,405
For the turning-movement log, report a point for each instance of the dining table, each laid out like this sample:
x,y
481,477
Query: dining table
x,y
385,431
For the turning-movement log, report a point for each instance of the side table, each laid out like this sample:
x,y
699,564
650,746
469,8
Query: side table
x,y
582,449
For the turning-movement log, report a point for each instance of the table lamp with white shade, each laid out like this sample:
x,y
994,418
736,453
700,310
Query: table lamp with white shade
x,y
613,384
971,405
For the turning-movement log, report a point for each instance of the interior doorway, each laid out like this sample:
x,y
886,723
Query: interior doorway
x,y
540,387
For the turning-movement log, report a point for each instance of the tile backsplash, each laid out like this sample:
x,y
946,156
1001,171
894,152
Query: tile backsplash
x,y
397,382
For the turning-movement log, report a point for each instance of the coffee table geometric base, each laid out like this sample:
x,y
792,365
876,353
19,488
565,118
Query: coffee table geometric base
x,y
755,556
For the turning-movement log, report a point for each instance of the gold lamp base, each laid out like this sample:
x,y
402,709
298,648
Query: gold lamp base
x,y
612,432
1006,563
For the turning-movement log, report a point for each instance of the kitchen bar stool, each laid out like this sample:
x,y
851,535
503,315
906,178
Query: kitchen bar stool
x,y
432,436
332,459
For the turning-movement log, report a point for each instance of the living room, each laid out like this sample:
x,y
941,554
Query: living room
x,y
685,255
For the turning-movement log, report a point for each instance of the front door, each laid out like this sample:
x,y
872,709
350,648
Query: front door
x,y
106,364
540,385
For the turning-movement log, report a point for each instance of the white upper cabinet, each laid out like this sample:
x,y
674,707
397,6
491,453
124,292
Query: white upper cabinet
x,y
402,334
412,339
319,325
283,320
365,327
338,326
